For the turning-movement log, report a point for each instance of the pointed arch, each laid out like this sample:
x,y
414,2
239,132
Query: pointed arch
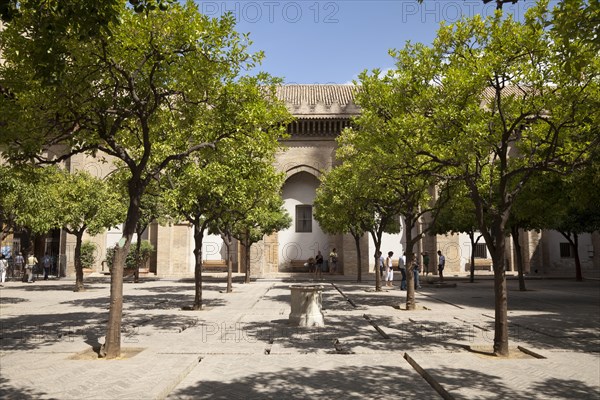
x,y
303,168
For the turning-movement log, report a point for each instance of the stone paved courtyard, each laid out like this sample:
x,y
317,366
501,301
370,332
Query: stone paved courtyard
x,y
241,345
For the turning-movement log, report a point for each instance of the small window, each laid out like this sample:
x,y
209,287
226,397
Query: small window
x,y
565,250
303,218
480,250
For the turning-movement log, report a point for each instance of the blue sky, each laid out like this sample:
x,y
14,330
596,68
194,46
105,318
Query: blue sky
x,y
321,41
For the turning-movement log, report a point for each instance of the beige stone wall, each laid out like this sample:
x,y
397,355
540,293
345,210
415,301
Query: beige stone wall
x,y
313,156
451,249
174,250
264,257
350,257
530,240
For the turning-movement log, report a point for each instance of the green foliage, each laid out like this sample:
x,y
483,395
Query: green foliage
x,y
25,199
88,254
236,188
82,202
338,207
504,101
151,89
456,210
133,258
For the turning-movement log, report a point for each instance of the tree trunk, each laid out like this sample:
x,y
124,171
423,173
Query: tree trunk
x,y
247,261
138,247
247,245
472,266
227,241
410,280
410,263
575,251
500,298
377,256
112,344
359,258
198,239
78,267
574,244
515,237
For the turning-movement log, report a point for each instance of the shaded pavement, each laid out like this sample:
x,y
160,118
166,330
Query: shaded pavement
x,y
241,345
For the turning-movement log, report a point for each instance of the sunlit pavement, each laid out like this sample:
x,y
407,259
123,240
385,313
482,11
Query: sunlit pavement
x,y
242,346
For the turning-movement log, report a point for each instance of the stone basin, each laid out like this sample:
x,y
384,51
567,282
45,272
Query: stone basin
x,y
306,306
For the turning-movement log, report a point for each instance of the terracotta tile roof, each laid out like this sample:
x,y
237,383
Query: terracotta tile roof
x,y
489,93
316,94
319,101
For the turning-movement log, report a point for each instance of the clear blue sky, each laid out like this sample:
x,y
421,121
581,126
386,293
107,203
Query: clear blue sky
x,y
312,41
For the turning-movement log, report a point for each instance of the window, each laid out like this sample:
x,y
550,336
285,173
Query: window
x,y
565,250
480,250
303,218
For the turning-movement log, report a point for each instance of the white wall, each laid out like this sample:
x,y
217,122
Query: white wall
x,y
389,242
556,263
300,189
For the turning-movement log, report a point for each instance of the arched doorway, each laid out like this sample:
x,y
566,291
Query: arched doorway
x,y
304,238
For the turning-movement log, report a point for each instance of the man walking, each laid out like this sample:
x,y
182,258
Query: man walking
x,y
31,264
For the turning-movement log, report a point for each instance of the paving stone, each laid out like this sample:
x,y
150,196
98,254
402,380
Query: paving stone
x,y
241,346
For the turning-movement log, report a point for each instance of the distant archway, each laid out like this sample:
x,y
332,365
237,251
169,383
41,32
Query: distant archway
x,y
304,238
296,169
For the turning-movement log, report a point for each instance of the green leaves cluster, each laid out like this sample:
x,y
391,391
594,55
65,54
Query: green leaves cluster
x,y
151,87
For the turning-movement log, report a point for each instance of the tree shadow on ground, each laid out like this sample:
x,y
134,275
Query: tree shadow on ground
x,y
10,392
181,288
349,330
167,302
35,331
40,287
489,386
347,382
39,331
12,300
550,331
563,389
378,381
564,313
132,302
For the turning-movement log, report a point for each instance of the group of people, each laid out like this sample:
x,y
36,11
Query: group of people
x,y
25,268
317,265
386,268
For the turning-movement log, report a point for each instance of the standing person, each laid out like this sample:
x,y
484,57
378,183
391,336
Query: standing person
x,y
31,263
402,267
425,262
3,268
333,259
389,269
20,263
319,264
441,265
416,271
47,264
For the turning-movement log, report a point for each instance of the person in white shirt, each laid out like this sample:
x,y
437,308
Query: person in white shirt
x,y
389,269
441,265
3,268
402,267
